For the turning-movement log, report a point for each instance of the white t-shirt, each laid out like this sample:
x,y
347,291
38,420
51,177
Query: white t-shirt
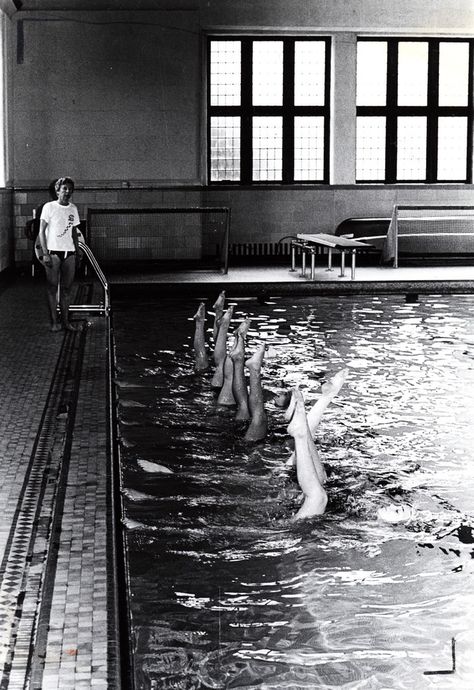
x,y
60,220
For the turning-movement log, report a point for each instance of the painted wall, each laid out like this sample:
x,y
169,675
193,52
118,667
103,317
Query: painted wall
x,y
7,243
6,234
107,96
115,99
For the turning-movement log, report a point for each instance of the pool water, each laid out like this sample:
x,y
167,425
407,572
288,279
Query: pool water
x,y
225,590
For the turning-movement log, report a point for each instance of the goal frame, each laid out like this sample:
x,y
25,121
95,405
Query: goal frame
x,y
224,250
390,249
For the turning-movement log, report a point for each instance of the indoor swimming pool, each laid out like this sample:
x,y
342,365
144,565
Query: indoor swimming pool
x,y
225,590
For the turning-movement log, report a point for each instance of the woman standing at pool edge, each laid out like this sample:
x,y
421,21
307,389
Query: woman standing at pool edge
x,y
58,238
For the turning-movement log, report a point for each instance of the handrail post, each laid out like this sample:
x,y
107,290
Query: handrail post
x,y
102,279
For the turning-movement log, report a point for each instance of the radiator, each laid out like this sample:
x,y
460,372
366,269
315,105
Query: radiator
x,y
265,249
260,249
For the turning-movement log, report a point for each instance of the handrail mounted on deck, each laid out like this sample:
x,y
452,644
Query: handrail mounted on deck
x,y
103,307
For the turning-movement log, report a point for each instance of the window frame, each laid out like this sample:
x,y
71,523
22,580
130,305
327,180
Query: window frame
x,y
287,111
432,110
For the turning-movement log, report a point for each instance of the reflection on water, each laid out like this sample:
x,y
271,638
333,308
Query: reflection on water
x,y
226,592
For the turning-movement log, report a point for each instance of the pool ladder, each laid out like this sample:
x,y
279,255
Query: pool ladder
x,y
103,307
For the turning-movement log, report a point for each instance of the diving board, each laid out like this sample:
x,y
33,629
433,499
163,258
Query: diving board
x,y
307,243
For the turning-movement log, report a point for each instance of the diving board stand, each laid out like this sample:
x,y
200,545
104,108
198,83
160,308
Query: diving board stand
x,y
307,243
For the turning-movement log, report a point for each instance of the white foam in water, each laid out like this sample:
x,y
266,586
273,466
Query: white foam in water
x,y
395,513
148,466
139,526
136,496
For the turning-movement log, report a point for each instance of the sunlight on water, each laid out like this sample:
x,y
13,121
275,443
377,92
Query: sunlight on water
x,y
226,591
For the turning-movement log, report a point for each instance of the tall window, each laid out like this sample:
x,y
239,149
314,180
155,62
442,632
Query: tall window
x,y
414,110
268,110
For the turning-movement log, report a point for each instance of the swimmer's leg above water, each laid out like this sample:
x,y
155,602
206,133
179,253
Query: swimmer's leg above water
x,y
308,463
258,425
329,390
218,307
201,361
226,396
220,350
243,328
239,384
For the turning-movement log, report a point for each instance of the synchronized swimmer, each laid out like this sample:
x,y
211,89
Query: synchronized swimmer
x,y
246,395
229,377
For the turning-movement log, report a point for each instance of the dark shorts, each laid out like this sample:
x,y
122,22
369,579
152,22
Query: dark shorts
x,y
62,255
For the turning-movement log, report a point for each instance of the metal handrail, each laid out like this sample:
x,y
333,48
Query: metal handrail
x,y
101,308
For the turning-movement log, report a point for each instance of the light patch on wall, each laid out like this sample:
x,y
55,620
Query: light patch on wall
x,y
3,105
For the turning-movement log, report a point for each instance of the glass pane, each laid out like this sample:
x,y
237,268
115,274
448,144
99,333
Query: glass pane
x,y
267,148
309,148
267,75
453,73
225,72
452,148
370,151
411,148
371,73
225,148
412,73
310,65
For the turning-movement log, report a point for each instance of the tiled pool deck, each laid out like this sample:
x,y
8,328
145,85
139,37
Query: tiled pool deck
x,y
60,600
58,605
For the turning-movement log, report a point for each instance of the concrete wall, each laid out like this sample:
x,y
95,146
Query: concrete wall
x,y
116,100
7,244
6,234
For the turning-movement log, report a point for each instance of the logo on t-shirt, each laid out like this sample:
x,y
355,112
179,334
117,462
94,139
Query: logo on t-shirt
x,y
69,226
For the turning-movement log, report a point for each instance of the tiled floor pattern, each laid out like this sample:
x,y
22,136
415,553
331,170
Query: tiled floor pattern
x,y
56,566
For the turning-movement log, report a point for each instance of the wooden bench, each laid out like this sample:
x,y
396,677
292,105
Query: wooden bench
x,y
308,244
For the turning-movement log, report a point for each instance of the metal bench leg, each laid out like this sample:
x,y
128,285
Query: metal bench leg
x,y
293,258
303,263
329,268
343,263
353,263
313,259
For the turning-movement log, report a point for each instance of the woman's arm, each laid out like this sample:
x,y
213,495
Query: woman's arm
x,y
43,242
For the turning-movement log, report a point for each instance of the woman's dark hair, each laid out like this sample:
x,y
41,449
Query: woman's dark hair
x,y
63,180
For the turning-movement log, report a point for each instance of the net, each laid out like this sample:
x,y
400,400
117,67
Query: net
x,y
180,238
432,230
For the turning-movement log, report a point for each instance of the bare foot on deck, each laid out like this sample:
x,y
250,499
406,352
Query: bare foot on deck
x,y
56,327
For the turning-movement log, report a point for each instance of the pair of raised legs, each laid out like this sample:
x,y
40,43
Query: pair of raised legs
x,y
309,468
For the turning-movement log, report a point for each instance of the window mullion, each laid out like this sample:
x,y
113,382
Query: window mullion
x,y
470,117
391,118
432,113
246,110
288,111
